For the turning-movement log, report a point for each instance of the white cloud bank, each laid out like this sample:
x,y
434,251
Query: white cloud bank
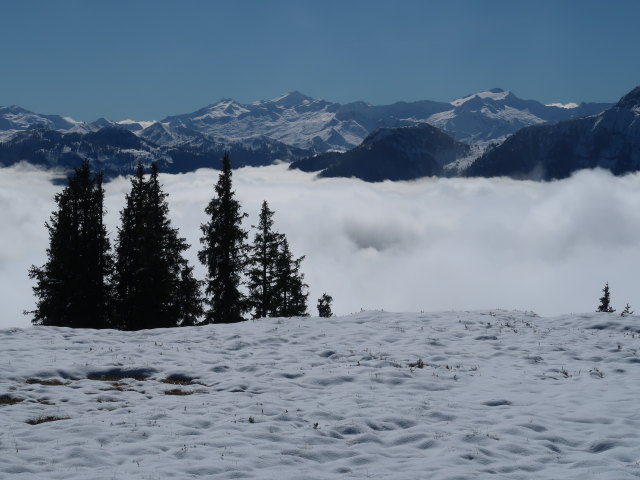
x,y
433,244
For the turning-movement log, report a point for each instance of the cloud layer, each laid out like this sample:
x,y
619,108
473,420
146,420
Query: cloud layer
x,y
433,244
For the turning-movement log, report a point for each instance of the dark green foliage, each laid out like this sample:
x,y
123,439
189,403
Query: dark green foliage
x,y
324,305
627,310
605,304
290,293
223,252
73,286
261,266
154,283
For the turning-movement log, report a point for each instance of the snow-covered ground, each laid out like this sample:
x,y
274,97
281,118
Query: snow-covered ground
x,y
500,395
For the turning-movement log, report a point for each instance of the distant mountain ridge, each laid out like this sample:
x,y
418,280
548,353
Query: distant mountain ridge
x,y
117,150
288,128
609,140
319,125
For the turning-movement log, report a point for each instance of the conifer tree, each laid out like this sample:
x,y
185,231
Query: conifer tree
x,y
73,288
605,304
290,290
263,255
154,283
627,310
224,252
324,305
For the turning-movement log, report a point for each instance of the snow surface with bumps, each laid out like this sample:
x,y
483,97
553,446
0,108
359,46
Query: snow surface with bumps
x,y
449,395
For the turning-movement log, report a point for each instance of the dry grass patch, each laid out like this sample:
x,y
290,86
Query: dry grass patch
x,y
120,387
179,381
37,381
177,391
49,418
115,378
9,400
119,374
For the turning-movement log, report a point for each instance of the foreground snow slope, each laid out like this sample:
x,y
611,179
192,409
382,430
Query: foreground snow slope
x,y
501,394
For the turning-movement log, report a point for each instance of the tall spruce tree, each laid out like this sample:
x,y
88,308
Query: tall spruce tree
x,y
154,282
73,288
224,252
261,267
290,293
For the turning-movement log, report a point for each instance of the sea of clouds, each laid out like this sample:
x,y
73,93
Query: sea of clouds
x,y
431,244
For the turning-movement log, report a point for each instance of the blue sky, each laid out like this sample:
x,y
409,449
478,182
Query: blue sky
x,y
149,59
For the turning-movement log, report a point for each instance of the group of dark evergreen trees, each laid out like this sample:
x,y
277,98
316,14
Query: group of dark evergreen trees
x,y
274,281
146,282
605,303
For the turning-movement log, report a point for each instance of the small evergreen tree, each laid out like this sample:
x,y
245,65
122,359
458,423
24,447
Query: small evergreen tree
x,y
224,252
324,306
290,290
73,287
627,310
263,255
605,304
154,283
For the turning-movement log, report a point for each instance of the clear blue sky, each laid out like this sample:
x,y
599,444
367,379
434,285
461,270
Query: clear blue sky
x,y
147,59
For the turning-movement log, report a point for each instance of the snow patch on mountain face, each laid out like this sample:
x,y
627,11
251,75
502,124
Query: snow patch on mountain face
x,y
512,115
570,105
71,120
143,124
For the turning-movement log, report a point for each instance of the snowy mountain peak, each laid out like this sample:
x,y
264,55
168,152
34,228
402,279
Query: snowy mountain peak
x,y
226,107
15,109
631,100
496,94
292,99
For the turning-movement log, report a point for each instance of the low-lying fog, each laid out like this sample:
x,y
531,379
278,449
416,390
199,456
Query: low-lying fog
x,y
432,244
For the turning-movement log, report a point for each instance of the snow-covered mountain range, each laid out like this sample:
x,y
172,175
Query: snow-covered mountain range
x,y
287,128
320,126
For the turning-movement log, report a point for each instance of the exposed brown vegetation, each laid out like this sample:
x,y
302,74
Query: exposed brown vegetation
x,y
177,391
39,420
9,400
179,381
37,381
120,387
116,378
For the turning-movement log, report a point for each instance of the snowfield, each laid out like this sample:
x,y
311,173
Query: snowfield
x,y
450,395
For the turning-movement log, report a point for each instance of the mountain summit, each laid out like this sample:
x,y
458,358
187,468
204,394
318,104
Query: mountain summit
x,y
291,99
631,100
